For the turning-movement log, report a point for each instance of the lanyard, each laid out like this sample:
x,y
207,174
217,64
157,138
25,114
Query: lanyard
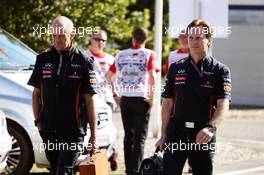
x,y
200,72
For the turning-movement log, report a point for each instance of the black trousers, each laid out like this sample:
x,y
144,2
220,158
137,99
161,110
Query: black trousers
x,y
135,117
62,151
180,144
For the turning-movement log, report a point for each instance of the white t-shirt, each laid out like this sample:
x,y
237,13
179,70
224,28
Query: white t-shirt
x,y
176,55
102,64
132,67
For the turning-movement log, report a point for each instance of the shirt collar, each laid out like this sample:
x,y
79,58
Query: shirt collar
x,y
137,46
183,51
205,58
63,52
98,55
201,63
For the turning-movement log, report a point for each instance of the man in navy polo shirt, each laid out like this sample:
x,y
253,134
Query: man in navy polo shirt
x,y
198,91
60,75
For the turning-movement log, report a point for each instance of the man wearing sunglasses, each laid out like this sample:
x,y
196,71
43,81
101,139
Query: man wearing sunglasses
x,y
103,61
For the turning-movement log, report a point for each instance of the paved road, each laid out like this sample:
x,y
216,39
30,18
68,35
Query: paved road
x,y
248,136
249,129
241,141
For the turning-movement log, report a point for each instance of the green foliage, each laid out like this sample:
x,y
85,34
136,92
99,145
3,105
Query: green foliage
x,y
168,43
22,18
117,17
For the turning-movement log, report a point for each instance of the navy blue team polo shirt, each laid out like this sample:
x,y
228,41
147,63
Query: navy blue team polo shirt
x,y
196,88
61,77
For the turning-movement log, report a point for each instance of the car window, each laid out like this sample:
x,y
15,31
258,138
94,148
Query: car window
x,y
14,55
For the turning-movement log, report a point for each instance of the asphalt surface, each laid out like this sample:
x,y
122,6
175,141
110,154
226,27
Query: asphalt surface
x,y
247,137
240,139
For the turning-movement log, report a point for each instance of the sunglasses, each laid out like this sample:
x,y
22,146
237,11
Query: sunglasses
x,y
99,39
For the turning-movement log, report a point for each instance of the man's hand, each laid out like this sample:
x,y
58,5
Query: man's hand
x,y
160,143
92,118
36,106
204,135
149,101
117,99
38,126
166,109
93,148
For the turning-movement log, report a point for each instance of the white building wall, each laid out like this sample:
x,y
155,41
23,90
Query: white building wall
x,y
243,52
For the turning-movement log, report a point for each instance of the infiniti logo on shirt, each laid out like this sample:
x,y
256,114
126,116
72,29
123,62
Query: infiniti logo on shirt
x,y
48,65
181,71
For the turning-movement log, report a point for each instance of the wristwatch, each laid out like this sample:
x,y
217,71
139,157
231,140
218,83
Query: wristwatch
x,y
36,121
210,126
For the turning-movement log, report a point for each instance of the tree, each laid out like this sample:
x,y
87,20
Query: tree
x,y
168,44
27,18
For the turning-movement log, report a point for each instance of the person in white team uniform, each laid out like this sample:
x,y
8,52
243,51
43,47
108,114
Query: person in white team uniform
x,y
102,62
176,55
135,72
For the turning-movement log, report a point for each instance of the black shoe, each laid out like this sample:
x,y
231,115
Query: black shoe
x,y
113,162
190,170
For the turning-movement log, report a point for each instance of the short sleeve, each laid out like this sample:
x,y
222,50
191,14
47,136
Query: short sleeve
x,y
151,61
111,60
224,86
113,68
166,67
36,74
155,62
168,89
89,81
